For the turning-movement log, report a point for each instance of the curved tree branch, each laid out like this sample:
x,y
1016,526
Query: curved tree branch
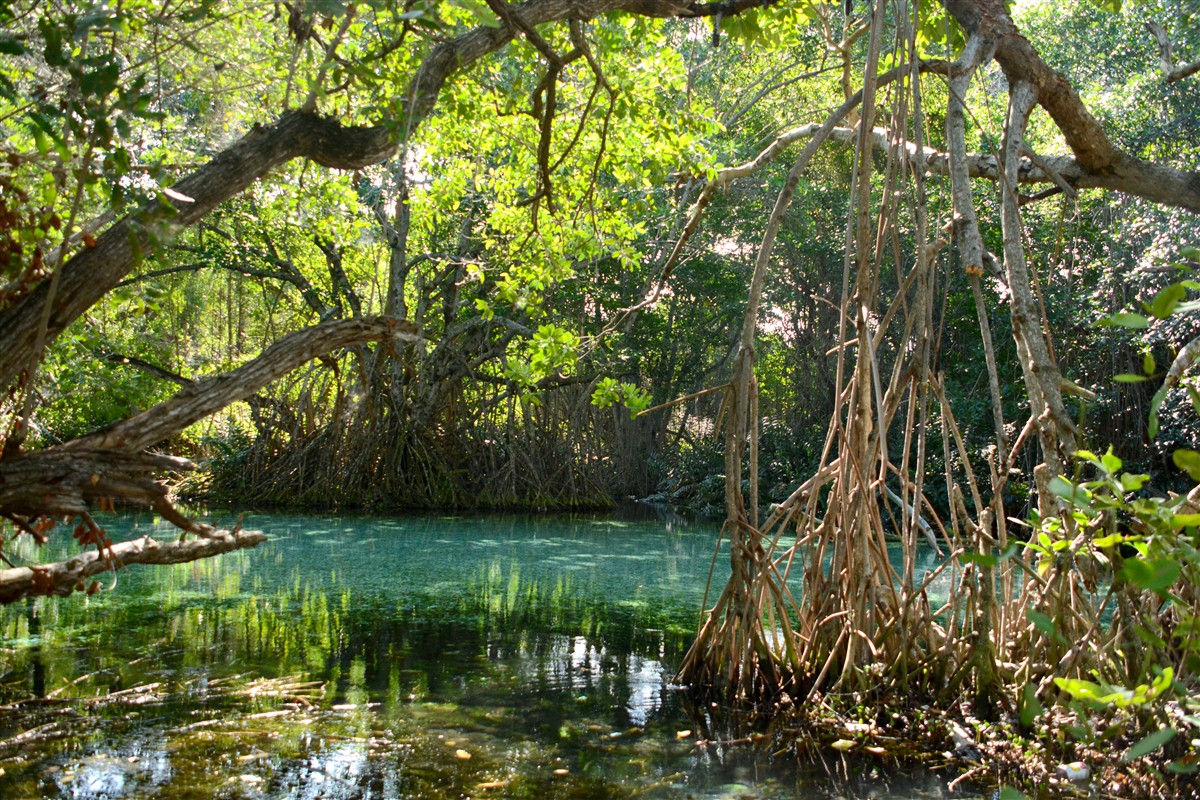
x,y
109,464
1173,71
206,397
93,271
1095,152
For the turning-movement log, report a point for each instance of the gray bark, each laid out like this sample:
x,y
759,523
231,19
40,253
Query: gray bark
x,y
65,577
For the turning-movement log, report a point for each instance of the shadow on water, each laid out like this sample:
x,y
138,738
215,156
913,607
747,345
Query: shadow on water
x,y
421,657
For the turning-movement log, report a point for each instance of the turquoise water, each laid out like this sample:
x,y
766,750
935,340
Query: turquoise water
x,y
423,657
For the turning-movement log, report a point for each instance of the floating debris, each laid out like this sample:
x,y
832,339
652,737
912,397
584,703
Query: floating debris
x,y
1075,771
492,784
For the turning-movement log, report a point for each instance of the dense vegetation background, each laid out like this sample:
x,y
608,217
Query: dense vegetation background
x,y
521,283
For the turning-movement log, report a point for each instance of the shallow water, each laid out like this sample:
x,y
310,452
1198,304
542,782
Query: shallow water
x,y
430,657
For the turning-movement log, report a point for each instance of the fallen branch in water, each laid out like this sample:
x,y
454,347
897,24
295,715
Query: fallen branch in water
x,y
64,577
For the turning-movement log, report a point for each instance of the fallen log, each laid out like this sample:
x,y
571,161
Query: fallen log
x,y
64,577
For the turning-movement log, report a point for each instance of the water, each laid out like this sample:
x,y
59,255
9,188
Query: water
x,y
430,657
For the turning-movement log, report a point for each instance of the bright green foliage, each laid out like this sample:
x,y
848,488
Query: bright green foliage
x,y
1104,510
1102,695
549,351
610,392
937,32
1147,545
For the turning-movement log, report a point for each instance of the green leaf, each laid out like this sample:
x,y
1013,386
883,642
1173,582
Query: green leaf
x,y
978,558
1009,793
1129,377
1077,496
1164,303
54,52
1042,622
1191,253
1154,575
1148,364
1185,520
1029,706
1155,404
1188,461
100,80
1132,483
1182,767
1126,320
1080,689
100,18
1149,744
480,12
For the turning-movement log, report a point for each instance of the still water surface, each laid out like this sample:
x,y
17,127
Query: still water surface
x,y
425,657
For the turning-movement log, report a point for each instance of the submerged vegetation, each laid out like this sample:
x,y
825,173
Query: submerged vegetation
x,y
465,254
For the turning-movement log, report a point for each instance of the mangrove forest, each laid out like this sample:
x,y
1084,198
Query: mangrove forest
x,y
599,398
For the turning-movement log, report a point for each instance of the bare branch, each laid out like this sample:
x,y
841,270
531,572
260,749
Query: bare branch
x,y
145,366
1173,71
209,396
65,577
1099,158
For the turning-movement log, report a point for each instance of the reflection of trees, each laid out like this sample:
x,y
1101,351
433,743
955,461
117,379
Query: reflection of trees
x,y
548,654
493,610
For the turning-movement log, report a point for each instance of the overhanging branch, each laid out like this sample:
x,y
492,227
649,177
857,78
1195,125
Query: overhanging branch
x,y
60,482
1035,169
201,398
1105,165
94,271
65,577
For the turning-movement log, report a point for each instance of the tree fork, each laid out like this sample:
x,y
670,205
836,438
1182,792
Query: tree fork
x,y
1085,136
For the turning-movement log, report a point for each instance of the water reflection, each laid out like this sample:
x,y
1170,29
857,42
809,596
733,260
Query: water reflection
x,y
348,658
